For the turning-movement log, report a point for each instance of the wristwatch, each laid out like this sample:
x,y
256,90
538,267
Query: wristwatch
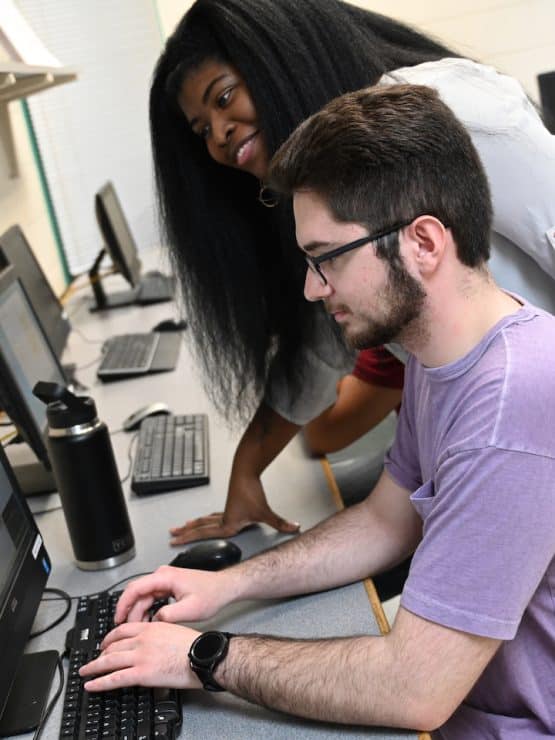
x,y
206,653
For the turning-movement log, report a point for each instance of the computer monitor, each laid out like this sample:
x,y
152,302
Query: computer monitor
x,y
120,245
25,357
117,235
546,82
15,251
24,568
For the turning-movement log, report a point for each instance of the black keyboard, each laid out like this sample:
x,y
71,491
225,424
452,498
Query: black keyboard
x,y
172,453
134,713
155,287
129,353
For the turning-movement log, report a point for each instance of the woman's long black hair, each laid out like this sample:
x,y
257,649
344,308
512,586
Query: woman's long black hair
x,y
241,273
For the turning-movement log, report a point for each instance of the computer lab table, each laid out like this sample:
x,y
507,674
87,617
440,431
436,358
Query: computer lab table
x,y
297,486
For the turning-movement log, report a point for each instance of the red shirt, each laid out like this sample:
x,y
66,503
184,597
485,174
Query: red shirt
x,y
379,367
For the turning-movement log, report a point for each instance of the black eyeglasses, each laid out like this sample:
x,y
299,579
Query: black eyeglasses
x,y
314,263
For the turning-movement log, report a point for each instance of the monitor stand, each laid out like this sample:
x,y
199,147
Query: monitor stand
x,y
29,693
33,478
113,300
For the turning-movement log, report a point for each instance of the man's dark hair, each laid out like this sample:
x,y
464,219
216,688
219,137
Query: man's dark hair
x,y
385,155
241,273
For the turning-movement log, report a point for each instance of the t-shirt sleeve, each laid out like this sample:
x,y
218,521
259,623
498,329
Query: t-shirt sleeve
x,y
488,538
379,367
324,363
318,394
524,156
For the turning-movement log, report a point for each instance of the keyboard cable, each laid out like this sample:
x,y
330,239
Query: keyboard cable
x,y
63,596
134,438
48,710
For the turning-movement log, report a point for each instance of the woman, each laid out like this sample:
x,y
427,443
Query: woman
x,y
234,80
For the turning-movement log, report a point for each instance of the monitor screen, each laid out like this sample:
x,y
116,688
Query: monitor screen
x,y
17,252
24,569
25,357
117,234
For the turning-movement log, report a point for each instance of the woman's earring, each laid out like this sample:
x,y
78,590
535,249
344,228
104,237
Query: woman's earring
x,y
267,197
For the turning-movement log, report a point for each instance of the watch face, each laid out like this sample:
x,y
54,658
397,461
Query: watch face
x,y
209,646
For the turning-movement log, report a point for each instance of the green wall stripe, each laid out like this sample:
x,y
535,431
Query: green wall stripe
x,y
46,192
159,20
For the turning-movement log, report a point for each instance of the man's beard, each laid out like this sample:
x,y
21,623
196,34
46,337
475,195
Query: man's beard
x,y
403,299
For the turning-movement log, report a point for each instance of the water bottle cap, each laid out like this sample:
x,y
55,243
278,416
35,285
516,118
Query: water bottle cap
x,y
64,409
61,416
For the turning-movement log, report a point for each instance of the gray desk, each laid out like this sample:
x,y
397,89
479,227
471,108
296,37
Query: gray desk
x,y
295,484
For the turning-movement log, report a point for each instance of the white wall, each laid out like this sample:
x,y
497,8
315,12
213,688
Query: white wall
x,y
171,12
514,35
22,202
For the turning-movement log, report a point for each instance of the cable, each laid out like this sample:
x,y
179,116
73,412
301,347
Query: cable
x,y
86,339
130,457
73,313
11,436
66,597
48,711
71,289
104,590
89,364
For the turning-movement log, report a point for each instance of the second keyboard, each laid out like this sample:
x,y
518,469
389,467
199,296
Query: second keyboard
x,y
172,453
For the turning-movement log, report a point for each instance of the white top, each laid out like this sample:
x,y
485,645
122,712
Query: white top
x,y
518,154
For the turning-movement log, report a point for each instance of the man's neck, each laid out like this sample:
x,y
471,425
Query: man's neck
x,y
458,315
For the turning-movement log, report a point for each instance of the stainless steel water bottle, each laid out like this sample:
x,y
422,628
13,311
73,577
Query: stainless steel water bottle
x,y
85,470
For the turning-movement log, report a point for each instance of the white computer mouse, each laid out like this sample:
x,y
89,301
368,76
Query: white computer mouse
x,y
134,420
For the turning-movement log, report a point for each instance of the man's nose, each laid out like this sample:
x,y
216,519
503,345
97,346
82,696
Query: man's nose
x,y
314,290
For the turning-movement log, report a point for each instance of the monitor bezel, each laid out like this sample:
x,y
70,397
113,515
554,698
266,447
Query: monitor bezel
x,y
10,396
38,288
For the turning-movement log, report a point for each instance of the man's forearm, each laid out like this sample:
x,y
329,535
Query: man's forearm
x,y
415,676
349,680
351,545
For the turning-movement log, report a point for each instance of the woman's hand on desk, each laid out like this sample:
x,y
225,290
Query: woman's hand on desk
x,y
246,505
198,594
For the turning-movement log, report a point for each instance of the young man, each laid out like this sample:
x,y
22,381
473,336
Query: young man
x,y
393,214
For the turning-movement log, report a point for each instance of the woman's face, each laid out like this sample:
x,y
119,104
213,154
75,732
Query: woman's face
x,y
219,108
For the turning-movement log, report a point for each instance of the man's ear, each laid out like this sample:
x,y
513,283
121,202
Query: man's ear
x,y
427,239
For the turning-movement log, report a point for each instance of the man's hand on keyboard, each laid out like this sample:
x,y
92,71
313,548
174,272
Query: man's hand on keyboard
x,y
143,654
198,594
246,505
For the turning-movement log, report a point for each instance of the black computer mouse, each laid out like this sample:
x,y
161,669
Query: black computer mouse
x,y
170,325
211,555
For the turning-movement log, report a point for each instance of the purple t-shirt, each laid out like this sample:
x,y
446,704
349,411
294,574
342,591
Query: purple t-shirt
x,y
475,445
